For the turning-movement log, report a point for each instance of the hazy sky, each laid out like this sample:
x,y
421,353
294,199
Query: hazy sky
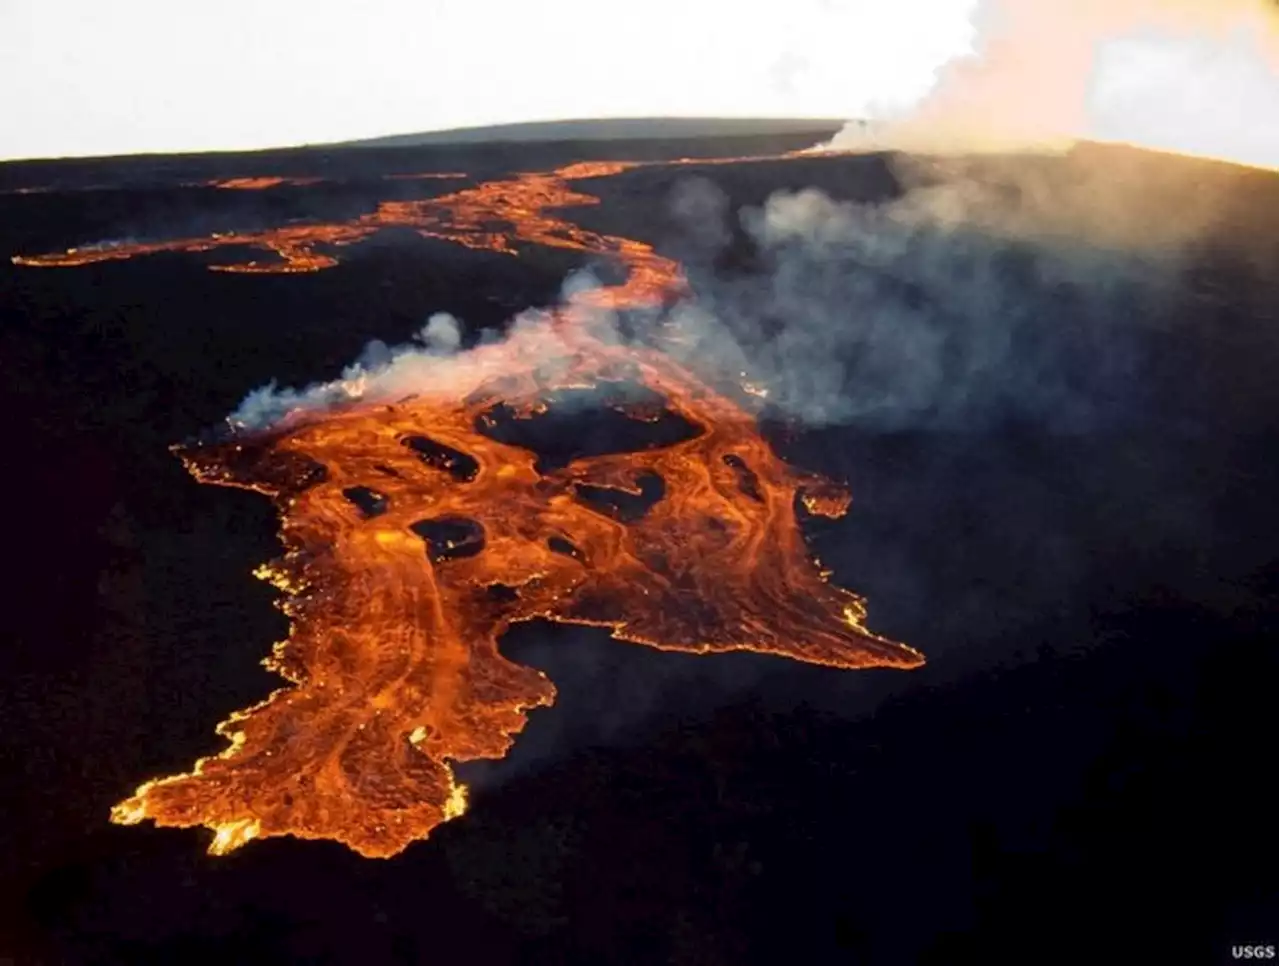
x,y
124,76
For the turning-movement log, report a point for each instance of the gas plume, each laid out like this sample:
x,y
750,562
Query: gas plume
x,y
1171,75
988,290
991,289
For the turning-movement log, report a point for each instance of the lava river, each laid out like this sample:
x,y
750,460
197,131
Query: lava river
x,y
418,529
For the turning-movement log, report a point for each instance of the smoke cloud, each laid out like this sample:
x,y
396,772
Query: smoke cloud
x,y
990,289
431,361
1195,78
994,286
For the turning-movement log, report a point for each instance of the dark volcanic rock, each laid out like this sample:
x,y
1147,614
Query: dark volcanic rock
x,y
1084,769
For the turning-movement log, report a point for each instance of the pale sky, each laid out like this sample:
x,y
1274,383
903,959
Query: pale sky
x,y
100,77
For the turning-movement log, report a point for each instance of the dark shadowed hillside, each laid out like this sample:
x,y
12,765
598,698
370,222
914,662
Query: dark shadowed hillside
x,y
1073,518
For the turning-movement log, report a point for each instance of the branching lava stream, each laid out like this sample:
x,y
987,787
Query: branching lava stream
x,y
416,532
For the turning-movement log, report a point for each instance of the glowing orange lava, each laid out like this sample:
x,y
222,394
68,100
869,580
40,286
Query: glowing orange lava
x,y
258,184
426,176
494,216
417,531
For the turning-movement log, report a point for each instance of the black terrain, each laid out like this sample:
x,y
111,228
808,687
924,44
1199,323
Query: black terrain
x,y
1084,770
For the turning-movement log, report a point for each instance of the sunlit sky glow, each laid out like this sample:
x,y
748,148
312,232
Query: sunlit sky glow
x,y
131,76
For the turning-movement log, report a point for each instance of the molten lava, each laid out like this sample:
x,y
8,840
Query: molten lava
x,y
494,216
418,530
261,183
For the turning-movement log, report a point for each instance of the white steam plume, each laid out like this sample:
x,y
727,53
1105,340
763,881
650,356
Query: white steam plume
x,y
989,289
1192,78
432,363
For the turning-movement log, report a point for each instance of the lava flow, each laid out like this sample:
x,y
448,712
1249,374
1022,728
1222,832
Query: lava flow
x,y
494,216
261,183
417,529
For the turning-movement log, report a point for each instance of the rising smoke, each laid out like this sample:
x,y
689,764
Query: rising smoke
x,y
990,290
992,287
1179,75
987,290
